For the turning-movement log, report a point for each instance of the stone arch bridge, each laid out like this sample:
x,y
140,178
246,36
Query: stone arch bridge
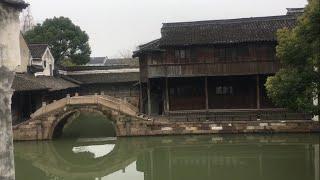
x,y
49,120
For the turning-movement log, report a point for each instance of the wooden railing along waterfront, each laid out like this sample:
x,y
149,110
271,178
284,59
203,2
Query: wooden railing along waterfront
x,y
237,115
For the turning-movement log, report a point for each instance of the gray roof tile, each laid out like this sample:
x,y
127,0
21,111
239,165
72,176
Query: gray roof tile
x,y
28,82
224,31
37,50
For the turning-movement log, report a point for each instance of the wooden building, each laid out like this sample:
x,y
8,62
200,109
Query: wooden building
x,y
117,77
217,65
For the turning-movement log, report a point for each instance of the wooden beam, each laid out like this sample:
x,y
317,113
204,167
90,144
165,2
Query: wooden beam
x,y
258,91
167,96
141,99
149,97
206,92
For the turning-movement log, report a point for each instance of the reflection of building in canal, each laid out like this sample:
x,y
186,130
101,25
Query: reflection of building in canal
x,y
179,158
291,161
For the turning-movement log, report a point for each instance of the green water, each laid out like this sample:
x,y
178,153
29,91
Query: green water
x,y
80,155
228,157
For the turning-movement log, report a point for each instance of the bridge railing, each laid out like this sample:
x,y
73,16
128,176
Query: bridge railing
x,y
50,107
107,101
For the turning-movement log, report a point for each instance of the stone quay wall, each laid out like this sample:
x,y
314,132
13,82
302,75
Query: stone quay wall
x,y
183,128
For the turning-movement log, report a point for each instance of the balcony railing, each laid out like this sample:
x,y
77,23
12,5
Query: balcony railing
x,y
213,69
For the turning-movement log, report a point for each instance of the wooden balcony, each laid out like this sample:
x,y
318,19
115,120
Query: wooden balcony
x,y
213,69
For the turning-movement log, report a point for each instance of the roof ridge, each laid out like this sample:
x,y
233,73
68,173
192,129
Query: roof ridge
x,y
149,43
228,21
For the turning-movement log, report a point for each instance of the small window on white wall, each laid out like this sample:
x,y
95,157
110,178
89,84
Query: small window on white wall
x,y
51,70
45,64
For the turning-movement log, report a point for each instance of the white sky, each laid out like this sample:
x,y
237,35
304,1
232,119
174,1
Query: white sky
x,y
120,25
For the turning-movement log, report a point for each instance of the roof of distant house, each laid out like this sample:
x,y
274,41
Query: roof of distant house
x,y
225,31
110,64
21,4
29,82
37,50
106,78
96,61
148,47
130,62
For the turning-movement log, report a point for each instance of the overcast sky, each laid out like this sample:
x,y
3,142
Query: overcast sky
x,y
120,25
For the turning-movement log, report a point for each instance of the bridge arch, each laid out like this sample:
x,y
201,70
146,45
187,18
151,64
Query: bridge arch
x,y
49,119
73,113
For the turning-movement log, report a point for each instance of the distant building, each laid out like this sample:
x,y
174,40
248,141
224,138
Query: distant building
x,y
118,78
42,61
34,82
97,61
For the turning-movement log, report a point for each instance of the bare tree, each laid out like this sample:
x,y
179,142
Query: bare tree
x,y
125,53
27,21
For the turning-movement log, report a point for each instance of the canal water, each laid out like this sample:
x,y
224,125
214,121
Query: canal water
x,y
209,157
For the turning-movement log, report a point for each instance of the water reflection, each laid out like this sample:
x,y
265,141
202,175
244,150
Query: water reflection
x,y
294,157
96,150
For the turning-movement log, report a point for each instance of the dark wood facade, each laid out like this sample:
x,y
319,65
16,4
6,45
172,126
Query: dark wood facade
x,y
222,60
210,65
207,77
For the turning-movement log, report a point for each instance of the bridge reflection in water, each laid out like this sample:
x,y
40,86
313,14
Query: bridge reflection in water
x,y
247,157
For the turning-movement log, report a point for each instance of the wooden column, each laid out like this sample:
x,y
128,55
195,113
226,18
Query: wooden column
x,y
167,96
206,92
258,91
140,98
149,97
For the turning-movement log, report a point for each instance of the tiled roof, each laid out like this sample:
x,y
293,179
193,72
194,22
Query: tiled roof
x,y
89,68
21,4
25,82
106,78
37,50
224,31
109,64
130,62
148,47
55,83
96,61
28,82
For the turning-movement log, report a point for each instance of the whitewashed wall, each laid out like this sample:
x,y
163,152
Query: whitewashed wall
x,y
25,56
9,37
47,62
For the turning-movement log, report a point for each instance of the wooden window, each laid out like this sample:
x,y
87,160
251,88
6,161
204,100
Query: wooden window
x,y
224,90
177,54
182,54
243,52
231,53
220,53
45,63
171,92
266,52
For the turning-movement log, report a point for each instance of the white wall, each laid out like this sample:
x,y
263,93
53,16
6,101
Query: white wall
x,y
9,37
46,62
25,56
